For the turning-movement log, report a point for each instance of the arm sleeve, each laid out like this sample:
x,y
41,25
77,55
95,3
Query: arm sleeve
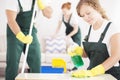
x,y
73,20
12,5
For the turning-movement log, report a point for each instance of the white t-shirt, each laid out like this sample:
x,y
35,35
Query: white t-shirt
x,y
73,20
26,4
95,34
14,6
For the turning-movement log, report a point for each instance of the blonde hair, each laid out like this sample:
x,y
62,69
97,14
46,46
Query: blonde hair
x,y
66,5
93,3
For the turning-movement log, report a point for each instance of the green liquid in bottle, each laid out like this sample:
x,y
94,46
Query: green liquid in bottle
x,y
77,61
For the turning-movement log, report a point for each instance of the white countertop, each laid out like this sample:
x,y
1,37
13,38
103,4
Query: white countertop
x,y
37,76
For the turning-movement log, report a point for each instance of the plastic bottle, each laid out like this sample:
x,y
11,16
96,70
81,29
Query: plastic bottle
x,y
75,51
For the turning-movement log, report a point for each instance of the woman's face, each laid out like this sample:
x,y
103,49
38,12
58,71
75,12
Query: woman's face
x,y
65,11
89,14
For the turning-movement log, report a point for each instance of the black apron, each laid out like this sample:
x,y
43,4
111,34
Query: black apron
x,y
97,53
77,37
15,47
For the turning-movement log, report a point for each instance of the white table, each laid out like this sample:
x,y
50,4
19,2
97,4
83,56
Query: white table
x,y
37,76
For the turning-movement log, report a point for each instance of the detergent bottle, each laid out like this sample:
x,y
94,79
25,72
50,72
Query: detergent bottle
x,y
75,51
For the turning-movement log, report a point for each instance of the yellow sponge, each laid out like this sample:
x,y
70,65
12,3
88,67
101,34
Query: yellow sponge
x,y
59,63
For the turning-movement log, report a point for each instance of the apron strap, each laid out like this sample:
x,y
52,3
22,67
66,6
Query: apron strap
x,y
104,32
21,9
87,36
69,18
63,18
33,3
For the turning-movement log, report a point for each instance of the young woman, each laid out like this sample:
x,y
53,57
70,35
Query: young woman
x,y
102,44
72,28
19,14
69,19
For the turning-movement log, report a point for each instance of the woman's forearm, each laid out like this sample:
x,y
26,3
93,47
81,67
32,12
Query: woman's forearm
x,y
115,52
58,27
75,30
110,62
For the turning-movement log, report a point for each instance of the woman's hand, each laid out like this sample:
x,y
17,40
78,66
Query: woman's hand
x,y
68,38
98,70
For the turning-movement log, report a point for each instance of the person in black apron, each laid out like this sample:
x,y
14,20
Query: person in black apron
x,y
17,38
76,37
72,29
97,51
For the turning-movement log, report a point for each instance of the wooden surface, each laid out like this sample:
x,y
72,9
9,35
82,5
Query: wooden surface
x,y
37,76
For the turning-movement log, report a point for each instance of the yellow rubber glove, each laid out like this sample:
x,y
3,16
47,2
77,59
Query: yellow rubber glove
x,y
76,50
72,54
40,4
24,39
98,70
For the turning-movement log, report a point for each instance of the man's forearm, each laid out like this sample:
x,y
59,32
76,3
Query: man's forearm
x,y
11,17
